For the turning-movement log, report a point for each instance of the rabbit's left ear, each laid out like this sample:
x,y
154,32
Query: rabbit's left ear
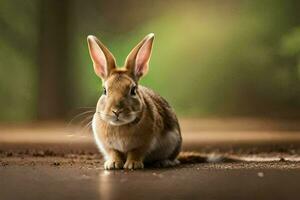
x,y
138,59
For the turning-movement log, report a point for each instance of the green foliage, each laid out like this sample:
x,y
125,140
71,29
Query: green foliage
x,y
18,77
207,63
208,59
290,44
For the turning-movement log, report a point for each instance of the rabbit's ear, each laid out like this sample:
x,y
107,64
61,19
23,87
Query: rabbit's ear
x,y
138,59
103,60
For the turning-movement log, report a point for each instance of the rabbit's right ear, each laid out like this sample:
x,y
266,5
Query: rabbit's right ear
x,y
138,59
103,60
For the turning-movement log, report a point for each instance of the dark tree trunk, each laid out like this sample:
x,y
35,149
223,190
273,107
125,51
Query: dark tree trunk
x,y
53,59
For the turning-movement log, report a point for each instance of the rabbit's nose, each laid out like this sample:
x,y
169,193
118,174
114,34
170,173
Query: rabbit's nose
x,y
117,112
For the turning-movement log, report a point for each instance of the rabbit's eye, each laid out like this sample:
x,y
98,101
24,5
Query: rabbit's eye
x,y
133,91
104,91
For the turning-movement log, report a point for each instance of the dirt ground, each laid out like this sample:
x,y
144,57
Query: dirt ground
x,y
82,177
54,161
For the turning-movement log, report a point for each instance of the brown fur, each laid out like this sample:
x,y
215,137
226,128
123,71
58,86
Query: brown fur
x,y
145,128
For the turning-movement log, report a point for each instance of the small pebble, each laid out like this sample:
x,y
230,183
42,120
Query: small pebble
x,y
9,154
157,175
39,154
282,159
3,163
56,163
260,174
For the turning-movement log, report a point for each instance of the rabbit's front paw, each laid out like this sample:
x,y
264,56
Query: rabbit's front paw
x,y
113,164
132,164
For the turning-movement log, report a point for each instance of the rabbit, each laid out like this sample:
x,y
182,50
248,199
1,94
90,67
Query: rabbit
x,y
132,125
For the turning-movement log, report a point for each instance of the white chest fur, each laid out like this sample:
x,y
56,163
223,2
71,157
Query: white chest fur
x,y
97,139
121,144
115,141
161,146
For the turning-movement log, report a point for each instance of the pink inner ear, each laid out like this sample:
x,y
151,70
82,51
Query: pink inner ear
x,y
99,59
142,59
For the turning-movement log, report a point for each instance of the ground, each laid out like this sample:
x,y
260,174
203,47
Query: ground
x,y
52,161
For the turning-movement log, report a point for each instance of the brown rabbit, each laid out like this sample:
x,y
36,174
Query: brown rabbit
x,y
132,125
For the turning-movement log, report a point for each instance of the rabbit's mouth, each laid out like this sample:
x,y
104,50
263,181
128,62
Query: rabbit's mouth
x,y
119,120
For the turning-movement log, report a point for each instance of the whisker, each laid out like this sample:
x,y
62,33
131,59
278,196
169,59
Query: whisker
x,y
104,114
134,113
87,126
86,107
79,115
88,118
107,115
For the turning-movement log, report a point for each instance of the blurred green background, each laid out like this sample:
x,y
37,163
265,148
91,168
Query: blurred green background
x,y
210,58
